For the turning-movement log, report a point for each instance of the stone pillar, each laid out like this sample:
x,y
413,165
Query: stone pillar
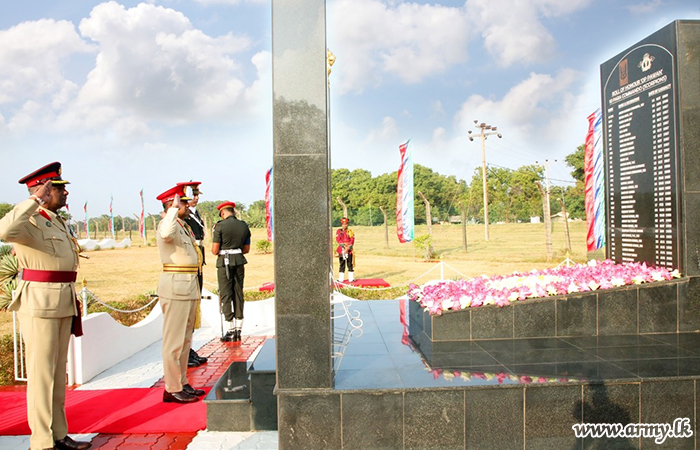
x,y
302,196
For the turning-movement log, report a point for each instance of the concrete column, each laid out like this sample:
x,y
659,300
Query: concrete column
x,y
302,195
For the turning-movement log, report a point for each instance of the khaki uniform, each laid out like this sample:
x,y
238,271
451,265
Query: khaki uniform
x,y
178,290
45,312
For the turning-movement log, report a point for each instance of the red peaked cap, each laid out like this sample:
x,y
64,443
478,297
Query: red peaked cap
x,y
193,184
344,220
40,176
223,205
172,192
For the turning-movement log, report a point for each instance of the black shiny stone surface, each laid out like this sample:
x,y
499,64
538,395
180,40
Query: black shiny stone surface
x,y
383,355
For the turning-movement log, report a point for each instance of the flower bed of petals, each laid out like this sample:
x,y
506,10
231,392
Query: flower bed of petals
x,y
498,378
454,295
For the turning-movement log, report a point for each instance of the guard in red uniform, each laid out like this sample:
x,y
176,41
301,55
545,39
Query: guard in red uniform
x,y
346,253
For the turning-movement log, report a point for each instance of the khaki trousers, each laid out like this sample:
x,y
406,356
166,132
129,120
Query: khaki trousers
x,y
178,325
46,342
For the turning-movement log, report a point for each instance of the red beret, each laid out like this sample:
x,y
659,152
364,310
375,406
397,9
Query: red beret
x,y
225,205
172,192
40,176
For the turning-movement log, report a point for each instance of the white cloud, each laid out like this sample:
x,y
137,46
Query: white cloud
x,y
439,134
33,56
532,102
437,108
645,8
377,40
152,68
408,41
228,2
154,65
512,30
387,131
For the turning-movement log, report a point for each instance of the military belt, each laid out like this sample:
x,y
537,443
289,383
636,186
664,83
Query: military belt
x,y
49,276
233,251
180,268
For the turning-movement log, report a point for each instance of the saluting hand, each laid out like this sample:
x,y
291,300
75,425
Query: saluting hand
x,y
176,202
44,192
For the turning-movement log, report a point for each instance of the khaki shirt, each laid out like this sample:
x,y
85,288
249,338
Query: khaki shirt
x,y
41,244
176,245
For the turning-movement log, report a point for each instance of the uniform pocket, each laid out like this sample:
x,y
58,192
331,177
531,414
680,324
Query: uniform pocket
x,y
182,283
55,244
43,296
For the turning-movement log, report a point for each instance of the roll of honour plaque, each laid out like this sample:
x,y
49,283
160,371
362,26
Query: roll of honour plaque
x,y
640,101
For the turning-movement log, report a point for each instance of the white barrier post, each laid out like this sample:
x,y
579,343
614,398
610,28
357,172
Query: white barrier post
x,y
84,295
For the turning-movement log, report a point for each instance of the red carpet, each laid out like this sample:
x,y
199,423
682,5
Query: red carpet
x,y
360,282
136,410
366,282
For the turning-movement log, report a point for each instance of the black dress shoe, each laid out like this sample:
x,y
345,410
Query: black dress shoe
x,y
191,362
237,336
192,391
179,397
67,443
228,337
195,356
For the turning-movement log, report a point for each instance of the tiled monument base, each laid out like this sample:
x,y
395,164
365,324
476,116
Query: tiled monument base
x,y
662,307
397,389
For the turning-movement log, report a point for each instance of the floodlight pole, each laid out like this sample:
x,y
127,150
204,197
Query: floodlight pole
x,y
483,134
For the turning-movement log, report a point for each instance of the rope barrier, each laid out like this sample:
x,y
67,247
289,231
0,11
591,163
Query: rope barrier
x,y
95,298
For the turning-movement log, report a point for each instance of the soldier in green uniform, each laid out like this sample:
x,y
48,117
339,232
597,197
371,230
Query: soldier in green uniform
x,y
231,240
45,301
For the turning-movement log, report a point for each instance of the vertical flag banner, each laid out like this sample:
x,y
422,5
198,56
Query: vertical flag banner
x,y
268,205
404,196
111,216
142,227
594,179
87,222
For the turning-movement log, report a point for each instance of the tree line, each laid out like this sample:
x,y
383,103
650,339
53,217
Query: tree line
x,y
513,197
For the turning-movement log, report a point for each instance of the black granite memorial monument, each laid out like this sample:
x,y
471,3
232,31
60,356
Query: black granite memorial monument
x,y
492,378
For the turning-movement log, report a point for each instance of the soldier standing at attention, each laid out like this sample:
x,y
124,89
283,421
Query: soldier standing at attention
x,y
178,291
45,301
345,238
231,240
194,220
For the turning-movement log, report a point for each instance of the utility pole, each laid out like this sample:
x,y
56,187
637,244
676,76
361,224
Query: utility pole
x,y
547,189
484,131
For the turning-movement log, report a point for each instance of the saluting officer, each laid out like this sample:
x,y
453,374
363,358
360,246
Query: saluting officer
x,y
45,300
196,223
231,240
178,291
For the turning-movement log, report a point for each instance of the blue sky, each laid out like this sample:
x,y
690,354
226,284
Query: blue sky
x,y
131,95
